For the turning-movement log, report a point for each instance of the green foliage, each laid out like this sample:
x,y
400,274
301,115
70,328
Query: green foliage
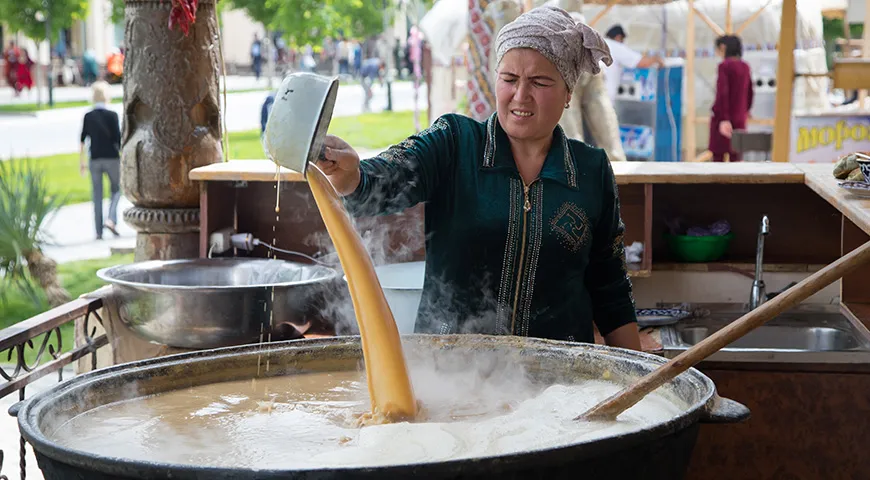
x,y
832,29
263,11
118,10
310,21
25,205
22,15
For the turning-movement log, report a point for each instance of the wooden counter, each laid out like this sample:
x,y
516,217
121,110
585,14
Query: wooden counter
x,y
650,193
627,173
819,178
244,170
693,173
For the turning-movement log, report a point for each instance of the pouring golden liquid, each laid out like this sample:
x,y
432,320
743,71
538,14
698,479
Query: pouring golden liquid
x,y
387,374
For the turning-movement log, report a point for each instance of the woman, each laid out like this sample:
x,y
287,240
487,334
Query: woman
x,y
523,233
102,128
24,78
11,68
733,98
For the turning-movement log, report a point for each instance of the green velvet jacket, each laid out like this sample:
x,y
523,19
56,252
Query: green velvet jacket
x,y
502,257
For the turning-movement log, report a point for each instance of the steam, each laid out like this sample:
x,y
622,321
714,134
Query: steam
x,y
455,385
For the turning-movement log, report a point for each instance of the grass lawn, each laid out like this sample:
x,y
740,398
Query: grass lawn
x,y
367,131
76,277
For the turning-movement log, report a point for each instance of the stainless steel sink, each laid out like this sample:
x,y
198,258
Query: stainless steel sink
x,y
804,330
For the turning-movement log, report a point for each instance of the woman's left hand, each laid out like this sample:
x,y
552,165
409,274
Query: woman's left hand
x,y
725,129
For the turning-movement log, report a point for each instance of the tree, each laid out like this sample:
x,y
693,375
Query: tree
x,y
310,21
29,15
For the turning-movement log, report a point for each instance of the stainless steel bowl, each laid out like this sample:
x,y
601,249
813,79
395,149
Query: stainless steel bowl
x,y
209,303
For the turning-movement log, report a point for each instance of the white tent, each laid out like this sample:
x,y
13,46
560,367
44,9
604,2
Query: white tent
x,y
661,29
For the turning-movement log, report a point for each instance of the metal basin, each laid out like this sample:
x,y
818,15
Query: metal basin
x,y
797,331
662,450
209,303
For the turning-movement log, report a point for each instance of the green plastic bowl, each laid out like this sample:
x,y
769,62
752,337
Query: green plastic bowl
x,y
699,249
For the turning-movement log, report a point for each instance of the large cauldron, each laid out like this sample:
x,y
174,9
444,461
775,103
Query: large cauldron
x,y
660,451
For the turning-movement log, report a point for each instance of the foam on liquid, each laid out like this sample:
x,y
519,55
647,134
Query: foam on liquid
x,y
308,421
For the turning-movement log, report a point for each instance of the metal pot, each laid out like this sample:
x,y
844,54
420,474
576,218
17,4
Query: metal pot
x,y
208,303
402,284
662,450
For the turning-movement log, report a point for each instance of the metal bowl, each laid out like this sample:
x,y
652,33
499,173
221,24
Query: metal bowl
x,y
209,303
660,451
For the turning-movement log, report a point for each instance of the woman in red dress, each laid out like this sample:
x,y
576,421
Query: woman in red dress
x,y
733,98
25,79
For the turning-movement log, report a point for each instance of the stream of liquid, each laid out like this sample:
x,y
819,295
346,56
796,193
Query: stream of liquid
x,y
390,389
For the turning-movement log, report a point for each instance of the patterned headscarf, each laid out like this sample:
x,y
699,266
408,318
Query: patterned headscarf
x,y
573,47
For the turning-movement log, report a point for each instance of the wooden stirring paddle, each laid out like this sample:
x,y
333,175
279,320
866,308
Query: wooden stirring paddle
x,y
610,408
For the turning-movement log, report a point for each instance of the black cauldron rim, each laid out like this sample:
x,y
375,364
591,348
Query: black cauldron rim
x,y
709,409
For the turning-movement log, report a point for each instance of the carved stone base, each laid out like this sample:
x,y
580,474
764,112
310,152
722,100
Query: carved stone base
x,y
166,246
164,234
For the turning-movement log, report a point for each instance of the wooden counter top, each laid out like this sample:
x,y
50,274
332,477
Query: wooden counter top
x,y
820,179
626,172
691,172
244,170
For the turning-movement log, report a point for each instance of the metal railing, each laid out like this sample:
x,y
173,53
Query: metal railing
x,y
41,335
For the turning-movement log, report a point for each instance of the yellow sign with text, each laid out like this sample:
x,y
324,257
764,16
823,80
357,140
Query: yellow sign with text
x,y
824,139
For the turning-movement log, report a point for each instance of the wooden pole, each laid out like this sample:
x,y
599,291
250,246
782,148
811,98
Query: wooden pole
x,y
603,12
729,22
865,47
710,23
752,18
691,148
785,79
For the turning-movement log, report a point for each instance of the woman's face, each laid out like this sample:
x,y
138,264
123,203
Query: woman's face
x,y
530,95
720,50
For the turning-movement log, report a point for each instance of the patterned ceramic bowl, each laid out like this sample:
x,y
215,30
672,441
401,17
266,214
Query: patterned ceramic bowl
x,y
864,164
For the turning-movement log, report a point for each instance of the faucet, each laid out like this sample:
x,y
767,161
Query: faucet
x,y
758,294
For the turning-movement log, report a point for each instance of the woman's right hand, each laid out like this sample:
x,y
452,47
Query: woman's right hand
x,y
340,165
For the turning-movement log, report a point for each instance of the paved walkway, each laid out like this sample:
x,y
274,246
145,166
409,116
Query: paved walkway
x,y
72,235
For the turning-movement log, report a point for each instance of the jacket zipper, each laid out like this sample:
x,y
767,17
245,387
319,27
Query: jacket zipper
x,y
527,207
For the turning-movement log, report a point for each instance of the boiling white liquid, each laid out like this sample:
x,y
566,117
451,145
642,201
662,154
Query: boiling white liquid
x,y
306,421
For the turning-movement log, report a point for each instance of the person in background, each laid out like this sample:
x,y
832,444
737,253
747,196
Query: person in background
x,y
734,94
623,57
102,128
357,57
369,72
264,112
25,67
11,55
306,60
90,69
343,51
257,56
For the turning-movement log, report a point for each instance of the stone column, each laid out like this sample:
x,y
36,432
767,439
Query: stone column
x,y
171,124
